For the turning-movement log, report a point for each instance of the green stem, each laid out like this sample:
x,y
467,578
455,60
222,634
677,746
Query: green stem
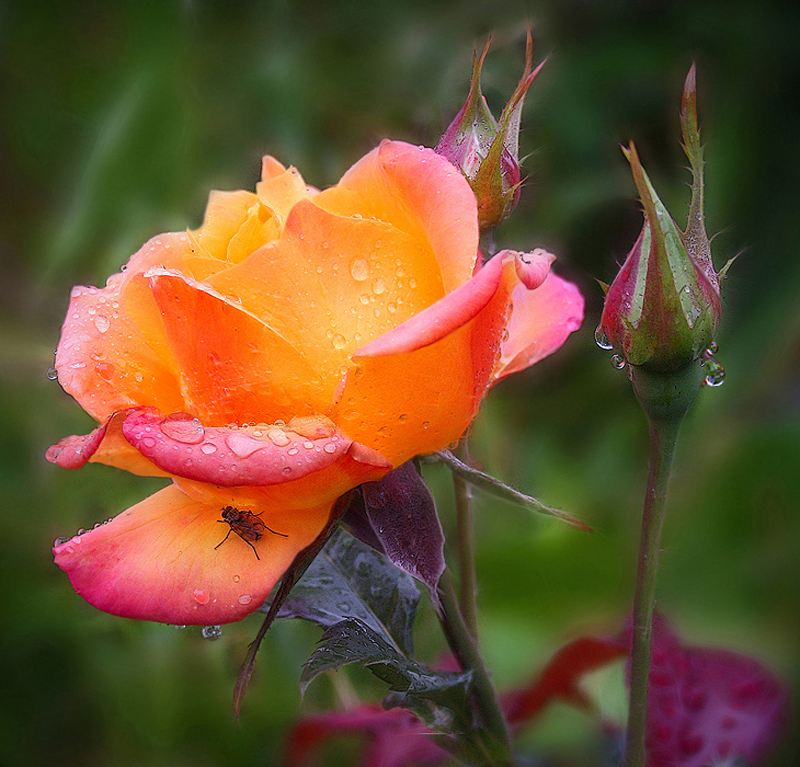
x,y
662,447
467,577
491,737
665,399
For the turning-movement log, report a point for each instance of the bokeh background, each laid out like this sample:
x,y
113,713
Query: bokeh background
x,y
116,118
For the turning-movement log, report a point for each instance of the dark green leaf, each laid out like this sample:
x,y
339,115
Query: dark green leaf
x,y
440,699
351,580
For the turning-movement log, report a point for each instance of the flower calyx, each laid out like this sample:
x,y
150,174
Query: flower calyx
x,y
487,150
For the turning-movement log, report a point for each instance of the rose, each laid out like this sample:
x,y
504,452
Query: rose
x,y
298,344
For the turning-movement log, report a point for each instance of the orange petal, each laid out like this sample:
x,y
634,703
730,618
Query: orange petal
x,y
423,194
333,283
159,560
280,189
416,389
113,352
226,213
234,368
541,321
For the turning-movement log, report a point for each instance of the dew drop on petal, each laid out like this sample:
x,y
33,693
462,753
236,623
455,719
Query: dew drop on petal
x,y
338,341
618,362
189,431
378,287
212,632
179,627
330,448
245,599
242,445
101,323
201,596
209,448
278,437
52,374
236,578
359,269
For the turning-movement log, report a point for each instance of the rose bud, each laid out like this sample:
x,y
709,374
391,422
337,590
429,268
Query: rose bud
x,y
487,151
663,309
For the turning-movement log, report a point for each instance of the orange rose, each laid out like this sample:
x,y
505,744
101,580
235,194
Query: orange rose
x,y
298,344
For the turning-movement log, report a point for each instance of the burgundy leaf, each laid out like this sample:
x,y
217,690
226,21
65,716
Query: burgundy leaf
x,y
402,514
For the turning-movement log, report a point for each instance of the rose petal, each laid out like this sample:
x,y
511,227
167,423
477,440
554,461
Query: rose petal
x,y
541,321
419,386
232,456
113,352
445,316
422,193
75,451
334,283
227,214
158,560
106,445
532,268
358,465
280,189
234,367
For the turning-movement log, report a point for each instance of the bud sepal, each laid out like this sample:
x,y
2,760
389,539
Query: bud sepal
x,y
486,150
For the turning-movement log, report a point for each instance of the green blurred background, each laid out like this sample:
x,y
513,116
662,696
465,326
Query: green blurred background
x,y
115,121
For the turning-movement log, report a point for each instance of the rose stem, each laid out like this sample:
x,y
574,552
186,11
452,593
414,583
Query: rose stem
x,y
663,435
462,643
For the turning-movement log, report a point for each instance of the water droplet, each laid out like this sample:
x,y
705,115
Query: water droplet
x,y
278,437
242,445
330,448
601,339
364,298
403,417
378,287
212,632
338,341
618,362
149,442
236,578
60,541
712,349
391,307
245,599
715,375
359,269
201,596
180,627
52,374
188,431
208,448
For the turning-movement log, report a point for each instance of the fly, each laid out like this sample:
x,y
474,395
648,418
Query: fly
x,y
246,525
